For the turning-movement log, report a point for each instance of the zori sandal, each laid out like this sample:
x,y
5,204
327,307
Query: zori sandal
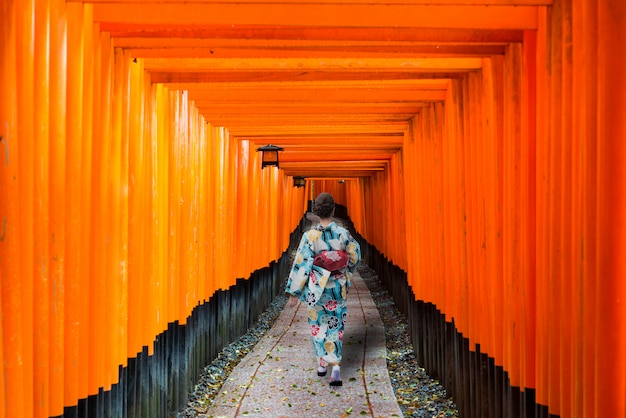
x,y
321,369
335,377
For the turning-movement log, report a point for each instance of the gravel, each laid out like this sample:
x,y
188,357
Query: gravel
x,y
418,395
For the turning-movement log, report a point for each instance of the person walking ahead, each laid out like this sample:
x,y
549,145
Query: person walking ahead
x,y
326,258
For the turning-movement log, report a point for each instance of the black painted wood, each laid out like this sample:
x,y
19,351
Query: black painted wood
x,y
479,387
158,385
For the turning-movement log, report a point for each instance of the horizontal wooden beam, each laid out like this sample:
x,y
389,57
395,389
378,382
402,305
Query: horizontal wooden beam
x,y
263,122
339,147
293,96
254,76
127,35
365,143
334,156
357,134
313,64
336,83
415,52
346,165
328,173
371,84
257,110
340,2
323,14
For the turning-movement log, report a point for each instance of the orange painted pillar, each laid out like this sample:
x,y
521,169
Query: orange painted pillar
x,y
23,153
160,230
202,204
528,151
57,188
7,68
585,78
73,219
489,295
41,372
118,191
100,226
174,200
139,157
10,262
610,380
513,197
542,165
244,212
471,198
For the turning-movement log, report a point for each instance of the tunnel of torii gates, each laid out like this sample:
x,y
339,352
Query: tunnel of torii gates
x,y
478,146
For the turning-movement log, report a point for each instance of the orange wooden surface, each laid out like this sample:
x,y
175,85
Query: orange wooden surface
x,y
482,150
611,215
58,130
11,335
528,153
24,151
41,254
81,187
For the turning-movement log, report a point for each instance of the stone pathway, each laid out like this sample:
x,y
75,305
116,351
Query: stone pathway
x,y
278,378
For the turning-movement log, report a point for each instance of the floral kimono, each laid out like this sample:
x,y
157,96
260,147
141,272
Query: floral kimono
x,y
321,273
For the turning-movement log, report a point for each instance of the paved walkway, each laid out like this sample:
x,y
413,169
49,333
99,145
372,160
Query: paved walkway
x,y
279,377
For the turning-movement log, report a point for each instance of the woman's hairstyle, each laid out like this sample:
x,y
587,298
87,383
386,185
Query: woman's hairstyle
x,y
324,205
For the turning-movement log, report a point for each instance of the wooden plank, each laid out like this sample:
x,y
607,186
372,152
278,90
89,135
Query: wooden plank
x,y
325,96
318,64
175,76
266,36
344,51
374,84
333,15
262,122
348,132
285,109
341,2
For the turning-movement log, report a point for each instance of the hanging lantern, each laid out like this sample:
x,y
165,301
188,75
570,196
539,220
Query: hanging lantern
x,y
299,181
269,155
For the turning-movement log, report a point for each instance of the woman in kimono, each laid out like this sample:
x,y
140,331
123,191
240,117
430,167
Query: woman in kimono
x,y
325,261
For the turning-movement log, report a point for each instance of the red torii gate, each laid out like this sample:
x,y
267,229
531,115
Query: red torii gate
x,y
481,144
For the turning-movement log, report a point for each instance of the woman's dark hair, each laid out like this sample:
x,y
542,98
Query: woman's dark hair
x,y
324,205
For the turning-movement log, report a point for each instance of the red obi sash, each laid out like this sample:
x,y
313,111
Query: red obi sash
x,y
331,260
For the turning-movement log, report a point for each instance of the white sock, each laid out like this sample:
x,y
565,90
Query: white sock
x,y
321,368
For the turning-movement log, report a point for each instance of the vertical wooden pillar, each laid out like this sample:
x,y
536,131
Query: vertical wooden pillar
x,y
244,211
23,152
528,155
160,231
100,227
578,298
41,340
139,205
610,391
57,177
9,217
584,130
